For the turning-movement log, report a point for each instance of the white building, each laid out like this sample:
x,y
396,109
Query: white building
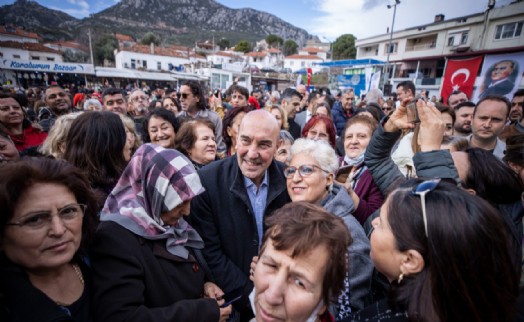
x,y
28,51
314,51
222,57
10,33
153,58
222,78
72,46
419,53
298,62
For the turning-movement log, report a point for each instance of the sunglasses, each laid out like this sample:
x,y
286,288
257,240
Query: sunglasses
x,y
304,170
183,95
422,190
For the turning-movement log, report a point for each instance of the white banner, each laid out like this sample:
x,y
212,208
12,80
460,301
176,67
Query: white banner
x,y
501,75
46,66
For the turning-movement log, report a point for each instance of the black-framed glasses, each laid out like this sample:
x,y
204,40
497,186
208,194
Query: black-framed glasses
x,y
42,219
304,170
422,190
183,95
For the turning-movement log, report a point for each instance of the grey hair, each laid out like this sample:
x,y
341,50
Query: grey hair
x,y
320,150
348,91
286,136
92,101
374,95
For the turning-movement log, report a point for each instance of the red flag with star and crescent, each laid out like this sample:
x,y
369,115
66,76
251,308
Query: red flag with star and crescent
x,y
460,75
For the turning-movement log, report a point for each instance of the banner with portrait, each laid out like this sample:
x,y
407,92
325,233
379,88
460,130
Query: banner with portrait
x,y
501,75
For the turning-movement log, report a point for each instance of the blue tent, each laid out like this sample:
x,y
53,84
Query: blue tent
x,y
350,62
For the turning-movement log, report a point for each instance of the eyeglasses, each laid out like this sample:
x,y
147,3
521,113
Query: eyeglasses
x,y
43,219
387,109
304,170
183,95
138,98
422,190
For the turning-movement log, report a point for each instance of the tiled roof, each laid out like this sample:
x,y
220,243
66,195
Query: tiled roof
x,y
17,31
303,57
70,44
313,50
122,37
173,51
31,46
257,54
222,53
274,50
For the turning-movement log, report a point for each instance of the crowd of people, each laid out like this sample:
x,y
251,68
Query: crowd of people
x,y
186,204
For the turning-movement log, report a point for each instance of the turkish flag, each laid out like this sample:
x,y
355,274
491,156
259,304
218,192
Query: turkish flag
x,y
309,72
460,75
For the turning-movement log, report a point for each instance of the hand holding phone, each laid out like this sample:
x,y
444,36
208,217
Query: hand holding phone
x,y
342,173
228,303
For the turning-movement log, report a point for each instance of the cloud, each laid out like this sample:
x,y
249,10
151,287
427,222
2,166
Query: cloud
x,y
81,3
77,13
367,18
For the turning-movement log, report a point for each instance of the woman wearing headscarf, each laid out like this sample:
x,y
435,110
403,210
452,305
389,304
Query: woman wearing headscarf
x,y
146,258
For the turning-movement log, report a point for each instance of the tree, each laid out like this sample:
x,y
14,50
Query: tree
x,y
104,49
223,43
290,47
72,57
150,38
344,47
274,41
243,46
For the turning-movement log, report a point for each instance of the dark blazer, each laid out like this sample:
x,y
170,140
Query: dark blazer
x,y
502,88
136,279
22,302
224,218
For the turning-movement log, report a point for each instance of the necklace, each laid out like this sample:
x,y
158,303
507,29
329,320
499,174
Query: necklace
x,y
78,273
80,277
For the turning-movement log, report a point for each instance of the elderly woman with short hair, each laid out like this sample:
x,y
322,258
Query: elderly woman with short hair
x,y
310,177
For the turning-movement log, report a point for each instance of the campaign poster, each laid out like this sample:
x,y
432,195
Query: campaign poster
x,y
501,75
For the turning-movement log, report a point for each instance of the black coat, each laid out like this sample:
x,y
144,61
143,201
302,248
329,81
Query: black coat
x,y
223,216
137,279
22,302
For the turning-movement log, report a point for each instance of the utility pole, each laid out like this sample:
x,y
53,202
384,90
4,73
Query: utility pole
x,y
90,47
386,73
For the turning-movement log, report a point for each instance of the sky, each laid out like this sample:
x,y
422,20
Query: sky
x,y
327,19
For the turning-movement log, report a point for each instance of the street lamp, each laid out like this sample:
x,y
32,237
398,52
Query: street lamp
x,y
386,74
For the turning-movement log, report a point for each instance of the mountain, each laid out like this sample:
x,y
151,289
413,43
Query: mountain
x,y
175,21
51,24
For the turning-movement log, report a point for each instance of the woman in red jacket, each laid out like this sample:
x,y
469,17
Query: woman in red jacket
x,y
12,118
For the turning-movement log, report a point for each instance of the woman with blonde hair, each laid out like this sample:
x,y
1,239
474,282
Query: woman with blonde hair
x,y
133,139
280,114
54,144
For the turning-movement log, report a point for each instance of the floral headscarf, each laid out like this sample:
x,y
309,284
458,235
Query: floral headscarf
x,y
155,181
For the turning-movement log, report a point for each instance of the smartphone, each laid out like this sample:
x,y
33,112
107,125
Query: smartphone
x,y
412,113
228,303
342,173
217,92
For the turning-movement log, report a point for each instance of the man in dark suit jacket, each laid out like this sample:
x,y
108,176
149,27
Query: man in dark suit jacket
x,y
240,192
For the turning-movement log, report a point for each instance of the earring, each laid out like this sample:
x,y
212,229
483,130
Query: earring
x,y
400,278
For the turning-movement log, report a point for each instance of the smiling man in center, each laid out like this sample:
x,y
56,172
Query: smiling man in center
x,y
241,191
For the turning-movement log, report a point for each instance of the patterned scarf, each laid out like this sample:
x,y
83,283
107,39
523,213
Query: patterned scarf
x,y
155,181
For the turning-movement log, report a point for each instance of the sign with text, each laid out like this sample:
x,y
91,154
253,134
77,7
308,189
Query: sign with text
x,y
47,66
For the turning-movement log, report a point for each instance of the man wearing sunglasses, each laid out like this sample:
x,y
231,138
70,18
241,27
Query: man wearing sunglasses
x,y
193,103
241,191
58,102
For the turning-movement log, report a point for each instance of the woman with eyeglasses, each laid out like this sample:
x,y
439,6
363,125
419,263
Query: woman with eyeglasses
x,y
446,255
47,214
13,120
310,177
320,127
147,260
